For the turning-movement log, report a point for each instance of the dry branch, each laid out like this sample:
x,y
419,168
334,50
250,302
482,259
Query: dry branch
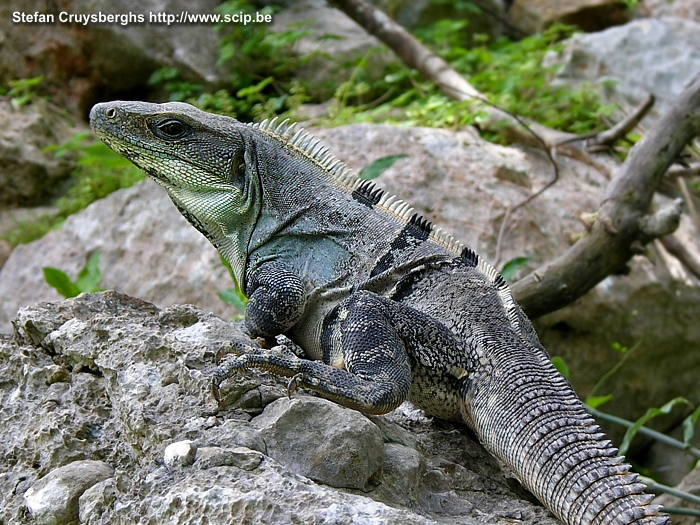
x,y
619,230
676,248
608,137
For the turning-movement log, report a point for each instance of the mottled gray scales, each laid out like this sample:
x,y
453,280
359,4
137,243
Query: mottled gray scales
x,y
386,306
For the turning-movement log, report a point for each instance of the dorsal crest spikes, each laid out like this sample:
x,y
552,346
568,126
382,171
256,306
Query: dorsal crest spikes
x,y
290,136
310,147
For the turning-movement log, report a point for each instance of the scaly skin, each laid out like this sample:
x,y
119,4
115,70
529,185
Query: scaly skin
x,y
386,306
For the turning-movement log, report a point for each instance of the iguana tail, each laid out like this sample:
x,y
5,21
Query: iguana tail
x,y
532,420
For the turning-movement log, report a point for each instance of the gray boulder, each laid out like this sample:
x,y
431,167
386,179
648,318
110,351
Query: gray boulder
x,y
79,61
588,15
29,175
646,56
111,381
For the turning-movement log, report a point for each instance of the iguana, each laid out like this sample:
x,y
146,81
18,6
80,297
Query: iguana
x,y
386,306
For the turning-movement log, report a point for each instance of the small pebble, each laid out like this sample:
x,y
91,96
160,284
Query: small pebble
x,y
180,454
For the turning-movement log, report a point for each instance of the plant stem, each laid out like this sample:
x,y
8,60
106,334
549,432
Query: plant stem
x,y
658,436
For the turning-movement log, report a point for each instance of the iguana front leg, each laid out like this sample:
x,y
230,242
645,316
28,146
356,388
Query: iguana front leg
x,y
367,367
276,299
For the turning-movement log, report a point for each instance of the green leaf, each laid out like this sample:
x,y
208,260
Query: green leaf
x,y
379,166
596,401
650,414
511,267
560,365
89,278
60,281
234,298
689,425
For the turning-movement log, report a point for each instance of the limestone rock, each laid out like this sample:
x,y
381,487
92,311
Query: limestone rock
x,y
53,500
688,9
328,443
180,454
666,50
241,457
28,174
125,227
533,16
78,61
96,500
109,379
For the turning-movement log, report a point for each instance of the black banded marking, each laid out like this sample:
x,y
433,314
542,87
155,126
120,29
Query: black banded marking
x,y
411,235
421,223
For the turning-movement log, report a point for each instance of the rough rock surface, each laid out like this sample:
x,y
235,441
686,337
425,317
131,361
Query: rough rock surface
x,y
458,181
648,56
81,62
53,499
28,174
112,380
688,9
533,16
146,249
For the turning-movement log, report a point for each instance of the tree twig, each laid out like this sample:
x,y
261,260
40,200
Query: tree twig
x,y
689,203
675,247
619,231
608,137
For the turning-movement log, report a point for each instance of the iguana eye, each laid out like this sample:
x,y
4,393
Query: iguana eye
x,y
171,129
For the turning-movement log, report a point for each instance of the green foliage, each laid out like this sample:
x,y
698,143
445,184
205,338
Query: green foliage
x,y
88,279
262,66
560,365
596,401
169,78
655,412
379,166
233,296
509,73
511,267
689,424
99,172
22,91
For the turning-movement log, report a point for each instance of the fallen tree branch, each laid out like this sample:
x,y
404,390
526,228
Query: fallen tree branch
x,y
684,171
619,230
676,248
607,138
415,55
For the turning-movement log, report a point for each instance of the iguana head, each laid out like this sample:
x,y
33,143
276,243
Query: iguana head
x,y
204,162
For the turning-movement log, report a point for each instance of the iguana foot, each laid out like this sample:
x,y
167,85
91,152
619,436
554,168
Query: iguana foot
x,y
237,356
